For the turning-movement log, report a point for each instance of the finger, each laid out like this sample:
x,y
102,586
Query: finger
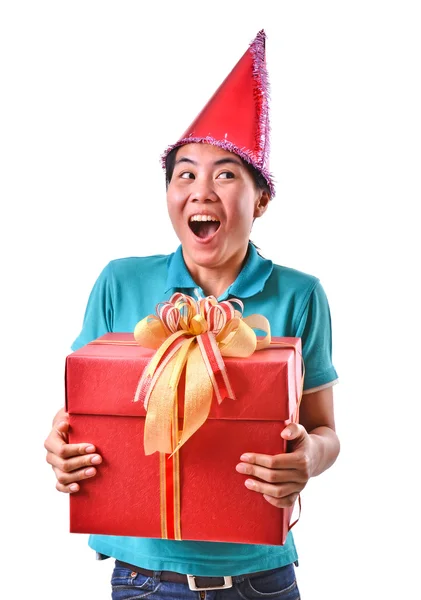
x,y
67,489
71,450
286,502
275,491
74,463
57,445
67,479
276,461
271,475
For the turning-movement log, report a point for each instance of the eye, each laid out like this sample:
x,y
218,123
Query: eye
x,y
186,175
226,175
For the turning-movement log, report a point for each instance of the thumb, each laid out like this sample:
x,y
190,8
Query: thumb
x,y
62,428
62,425
293,431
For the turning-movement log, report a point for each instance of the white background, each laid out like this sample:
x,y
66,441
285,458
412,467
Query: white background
x,y
91,94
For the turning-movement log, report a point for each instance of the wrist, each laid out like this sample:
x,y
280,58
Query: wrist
x,y
324,449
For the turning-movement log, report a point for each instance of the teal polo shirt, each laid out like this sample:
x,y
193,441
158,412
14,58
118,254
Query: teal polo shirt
x,y
295,304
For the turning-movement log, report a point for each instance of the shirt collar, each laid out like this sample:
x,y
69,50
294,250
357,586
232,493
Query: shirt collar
x,y
250,281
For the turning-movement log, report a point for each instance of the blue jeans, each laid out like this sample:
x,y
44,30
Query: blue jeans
x,y
275,584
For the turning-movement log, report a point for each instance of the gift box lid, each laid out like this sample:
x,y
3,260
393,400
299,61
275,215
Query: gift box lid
x,y
102,377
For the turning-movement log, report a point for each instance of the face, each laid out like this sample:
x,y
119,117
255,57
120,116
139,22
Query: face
x,y
212,202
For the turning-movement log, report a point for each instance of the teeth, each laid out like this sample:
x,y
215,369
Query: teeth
x,y
204,218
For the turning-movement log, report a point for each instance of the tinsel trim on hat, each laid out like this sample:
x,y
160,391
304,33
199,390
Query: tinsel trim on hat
x,y
261,96
243,153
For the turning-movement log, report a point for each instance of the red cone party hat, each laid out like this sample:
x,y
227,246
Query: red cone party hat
x,y
236,118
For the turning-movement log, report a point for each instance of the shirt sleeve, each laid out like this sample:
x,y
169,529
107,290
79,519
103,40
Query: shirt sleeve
x,y
315,330
98,318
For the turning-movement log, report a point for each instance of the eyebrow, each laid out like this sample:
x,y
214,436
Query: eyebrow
x,y
221,161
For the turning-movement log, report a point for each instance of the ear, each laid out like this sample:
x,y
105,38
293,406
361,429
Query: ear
x,y
262,203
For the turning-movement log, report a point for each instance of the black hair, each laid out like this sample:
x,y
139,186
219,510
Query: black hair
x,y
259,180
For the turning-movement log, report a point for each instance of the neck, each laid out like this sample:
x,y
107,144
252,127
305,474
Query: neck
x,y
216,279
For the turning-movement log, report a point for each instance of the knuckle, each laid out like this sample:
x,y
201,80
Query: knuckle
x,y
305,465
278,493
66,466
61,478
61,452
272,462
61,488
291,500
273,476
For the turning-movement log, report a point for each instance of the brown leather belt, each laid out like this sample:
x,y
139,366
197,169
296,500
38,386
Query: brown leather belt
x,y
199,581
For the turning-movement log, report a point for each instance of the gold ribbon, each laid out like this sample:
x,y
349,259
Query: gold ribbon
x,y
191,335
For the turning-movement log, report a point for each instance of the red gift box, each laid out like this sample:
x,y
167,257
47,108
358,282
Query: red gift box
x,y
132,494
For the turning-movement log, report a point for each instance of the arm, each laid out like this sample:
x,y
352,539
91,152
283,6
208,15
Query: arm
x,y
317,418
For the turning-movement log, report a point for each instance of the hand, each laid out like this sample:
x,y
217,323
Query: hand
x,y
70,462
283,475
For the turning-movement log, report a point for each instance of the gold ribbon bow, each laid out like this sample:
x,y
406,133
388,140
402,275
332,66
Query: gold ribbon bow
x,y
195,335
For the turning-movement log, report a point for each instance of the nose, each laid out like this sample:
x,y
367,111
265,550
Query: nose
x,y
203,191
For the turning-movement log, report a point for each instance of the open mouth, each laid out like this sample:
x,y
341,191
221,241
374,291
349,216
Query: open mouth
x,y
204,226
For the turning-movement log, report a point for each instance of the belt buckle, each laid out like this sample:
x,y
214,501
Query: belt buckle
x,y
191,580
